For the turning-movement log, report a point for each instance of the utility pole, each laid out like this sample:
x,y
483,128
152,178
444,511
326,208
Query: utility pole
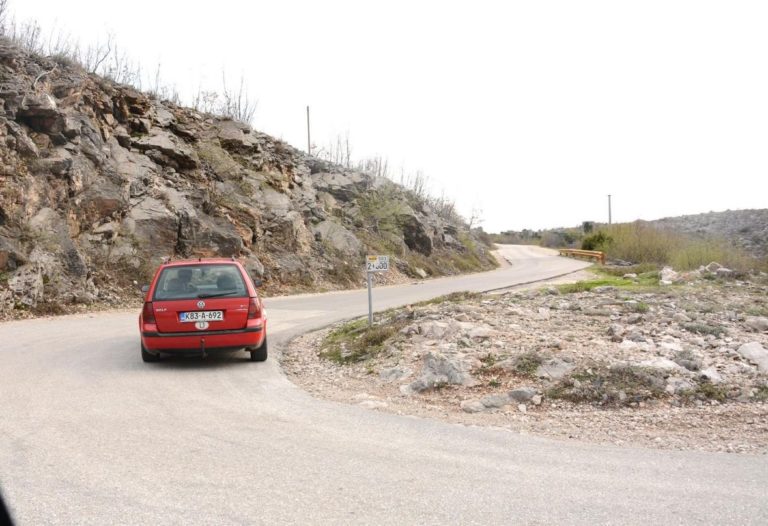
x,y
609,209
309,143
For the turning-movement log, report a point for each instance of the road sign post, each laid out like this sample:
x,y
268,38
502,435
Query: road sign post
x,y
374,264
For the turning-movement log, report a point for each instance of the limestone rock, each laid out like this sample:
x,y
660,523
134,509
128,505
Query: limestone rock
x,y
554,369
756,354
438,370
495,401
394,374
338,237
757,323
522,394
472,406
169,146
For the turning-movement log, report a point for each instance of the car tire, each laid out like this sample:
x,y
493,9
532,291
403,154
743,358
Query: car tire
x,y
148,356
259,354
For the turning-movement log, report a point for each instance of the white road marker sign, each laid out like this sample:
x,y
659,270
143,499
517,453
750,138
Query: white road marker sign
x,y
374,264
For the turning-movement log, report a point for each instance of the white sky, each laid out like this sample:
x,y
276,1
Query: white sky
x,y
532,111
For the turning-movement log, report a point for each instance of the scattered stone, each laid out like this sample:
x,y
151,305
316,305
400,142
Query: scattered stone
x,y
554,369
439,370
668,276
724,272
472,406
713,267
661,363
495,401
481,333
757,323
677,385
394,374
711,375
522,394
616,331
755,353
373,404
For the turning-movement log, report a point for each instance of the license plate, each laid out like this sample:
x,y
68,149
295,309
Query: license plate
x,y
203,315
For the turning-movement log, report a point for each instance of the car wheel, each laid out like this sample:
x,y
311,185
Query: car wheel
x,y
148,356
259,354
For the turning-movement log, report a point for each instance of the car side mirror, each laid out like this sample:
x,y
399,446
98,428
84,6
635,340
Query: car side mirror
x,y
257,282
144,289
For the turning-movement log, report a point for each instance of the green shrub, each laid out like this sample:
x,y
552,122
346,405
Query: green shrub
x,y
528,363
603,385
599,241
640,242
704,329
356,341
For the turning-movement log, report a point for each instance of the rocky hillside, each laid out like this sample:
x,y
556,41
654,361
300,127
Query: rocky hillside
x,y
747,229
99,182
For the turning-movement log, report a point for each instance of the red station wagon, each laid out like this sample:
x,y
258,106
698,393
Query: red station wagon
x,y
200,307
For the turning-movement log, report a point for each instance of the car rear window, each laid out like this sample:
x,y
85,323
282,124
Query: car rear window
x,y
200,281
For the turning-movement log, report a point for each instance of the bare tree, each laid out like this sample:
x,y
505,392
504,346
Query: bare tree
x,y
95,54
205,101
338,151
3,16
377,166
27,35
475,218
236,104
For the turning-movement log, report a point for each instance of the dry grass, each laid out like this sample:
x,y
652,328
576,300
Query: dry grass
x,y
642,243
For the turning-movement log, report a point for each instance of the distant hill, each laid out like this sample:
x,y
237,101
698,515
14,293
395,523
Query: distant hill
x,y
747,229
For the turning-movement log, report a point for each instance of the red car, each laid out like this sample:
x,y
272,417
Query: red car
x,y
202,306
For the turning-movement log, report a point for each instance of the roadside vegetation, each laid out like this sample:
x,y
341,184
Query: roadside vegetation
x,y
607,277
356,341
641,243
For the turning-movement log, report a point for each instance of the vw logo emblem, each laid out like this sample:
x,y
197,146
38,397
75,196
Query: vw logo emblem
x,y
200,304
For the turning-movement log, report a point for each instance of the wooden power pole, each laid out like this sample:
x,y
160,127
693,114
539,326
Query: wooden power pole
x,y
309,142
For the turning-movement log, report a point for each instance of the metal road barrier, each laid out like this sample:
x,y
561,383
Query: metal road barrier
x,y
588,254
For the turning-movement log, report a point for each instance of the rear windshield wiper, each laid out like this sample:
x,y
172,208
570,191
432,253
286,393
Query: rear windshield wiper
x,y
216,295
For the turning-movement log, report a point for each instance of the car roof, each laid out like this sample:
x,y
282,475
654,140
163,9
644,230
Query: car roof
x,y
201,261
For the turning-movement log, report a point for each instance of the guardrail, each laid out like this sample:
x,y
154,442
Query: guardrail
x,y
588,254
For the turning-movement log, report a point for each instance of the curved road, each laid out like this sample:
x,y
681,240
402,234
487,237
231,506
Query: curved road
x,y
89,434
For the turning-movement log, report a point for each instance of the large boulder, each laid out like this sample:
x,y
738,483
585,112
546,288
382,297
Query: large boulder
x,y
235,136
337,237
415,234
756,354
438,370
152,226
344,186
40,113
175,151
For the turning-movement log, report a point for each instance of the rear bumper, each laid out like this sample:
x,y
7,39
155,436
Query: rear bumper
x,y
202,342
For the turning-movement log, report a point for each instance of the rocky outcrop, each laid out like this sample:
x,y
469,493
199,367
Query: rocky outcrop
x,y
99,182
747,229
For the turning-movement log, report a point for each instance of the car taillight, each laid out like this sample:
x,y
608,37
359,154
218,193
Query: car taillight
x,y
148,313
254,308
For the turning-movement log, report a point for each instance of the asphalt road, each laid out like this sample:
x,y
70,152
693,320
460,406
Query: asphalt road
x,y
89,434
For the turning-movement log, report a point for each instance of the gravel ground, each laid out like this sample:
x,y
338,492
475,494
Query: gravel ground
x,y
700,387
